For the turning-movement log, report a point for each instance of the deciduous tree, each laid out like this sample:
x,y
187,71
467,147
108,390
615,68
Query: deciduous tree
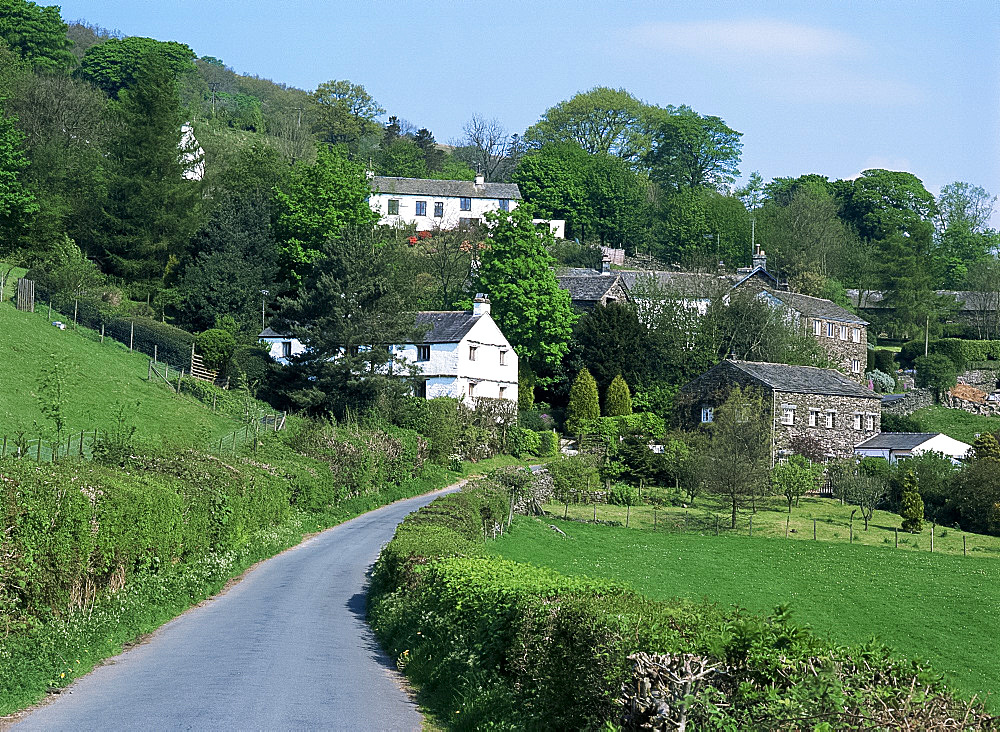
x,y
116,64
37,33
689,150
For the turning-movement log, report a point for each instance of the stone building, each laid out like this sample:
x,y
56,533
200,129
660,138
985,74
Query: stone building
x,y
590,288
802,401
839,332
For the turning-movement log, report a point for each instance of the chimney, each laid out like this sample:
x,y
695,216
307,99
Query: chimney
x,y
605,265
481,305
759,259
480,180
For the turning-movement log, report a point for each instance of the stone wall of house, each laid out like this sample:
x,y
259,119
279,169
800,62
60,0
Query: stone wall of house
x,y
912,401
985,379
843,352
986,409
838,441
710,389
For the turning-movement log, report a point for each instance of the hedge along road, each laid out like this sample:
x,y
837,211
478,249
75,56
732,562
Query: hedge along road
x,y
285,648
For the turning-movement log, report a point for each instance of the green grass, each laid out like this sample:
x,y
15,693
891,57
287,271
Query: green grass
x,y
942,608
102,378
833,523
955,423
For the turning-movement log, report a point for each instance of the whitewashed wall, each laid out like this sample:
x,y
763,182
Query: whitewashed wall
x,y
277,349
379,203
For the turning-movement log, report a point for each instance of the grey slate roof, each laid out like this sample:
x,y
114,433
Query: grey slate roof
x,y
271,333
897,440
588,288
445,188
801,379
967,301
817,307
446,326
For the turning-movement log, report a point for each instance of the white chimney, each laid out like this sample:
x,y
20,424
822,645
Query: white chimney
x,y
606,265
480,179
481,305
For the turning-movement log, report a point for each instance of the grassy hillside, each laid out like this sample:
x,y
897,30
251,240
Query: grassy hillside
x,y
955,423
942,608
102,380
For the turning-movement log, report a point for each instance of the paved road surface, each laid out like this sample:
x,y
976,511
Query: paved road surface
x,y
286,648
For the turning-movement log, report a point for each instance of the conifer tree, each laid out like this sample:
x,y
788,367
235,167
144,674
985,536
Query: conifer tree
x,y
986,447
584,402
911,505
617,399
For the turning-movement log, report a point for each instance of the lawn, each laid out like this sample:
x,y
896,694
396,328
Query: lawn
x,y
832,522
933,606
103,380
955,423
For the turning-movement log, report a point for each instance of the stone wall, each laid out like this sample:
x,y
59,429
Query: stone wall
x,y
838,440
985,379
986,409
843,352
912,401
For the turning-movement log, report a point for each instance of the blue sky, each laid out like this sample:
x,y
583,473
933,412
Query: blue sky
x,y
830,88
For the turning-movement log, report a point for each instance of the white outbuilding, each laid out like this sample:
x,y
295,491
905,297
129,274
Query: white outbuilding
x,y
895,446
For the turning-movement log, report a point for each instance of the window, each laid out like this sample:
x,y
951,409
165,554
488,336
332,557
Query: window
x,y
870,422
465,204
505,204
829,330
421,208
830,420
813,417
843,332
286,349
857,420
856,335
394,207
438,210
472,388
502,394
856,366
423,353
420,389
468,222
818,327
788,414
472,353
503,357
706,414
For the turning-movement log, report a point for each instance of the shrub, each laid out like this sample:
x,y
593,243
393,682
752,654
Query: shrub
x,y
936,372
618,399
882,359
584,403
548,444
883,382
216,347
523,442
249,365
911,508
622,494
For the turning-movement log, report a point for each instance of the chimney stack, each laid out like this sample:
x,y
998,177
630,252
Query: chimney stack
x,y
759,259
480,180
605,265
481,305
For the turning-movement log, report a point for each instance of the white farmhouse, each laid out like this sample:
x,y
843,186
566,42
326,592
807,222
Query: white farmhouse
x,y
439,204
462,354
895,446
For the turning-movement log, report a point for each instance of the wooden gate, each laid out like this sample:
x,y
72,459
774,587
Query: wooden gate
x,y
26,295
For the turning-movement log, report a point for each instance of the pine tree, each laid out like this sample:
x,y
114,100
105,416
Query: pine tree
x,y
617,399
911,505
986,447
584,402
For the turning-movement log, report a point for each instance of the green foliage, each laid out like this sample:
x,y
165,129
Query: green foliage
x,y
54,391
37,33
689,150
344,113
17,203
584,402
936,372
883,382
794,478
900,423
911,508
216,347
601,121
117,63
525,388
524,442
528,305
317,203
618,399
986,447
960,351
548,444
622,494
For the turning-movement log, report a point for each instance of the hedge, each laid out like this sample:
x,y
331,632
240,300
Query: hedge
x,y
500,644
960,351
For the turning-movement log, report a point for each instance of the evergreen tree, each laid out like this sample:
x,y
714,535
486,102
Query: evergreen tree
x,y
618,399
986,447
584,402
911,505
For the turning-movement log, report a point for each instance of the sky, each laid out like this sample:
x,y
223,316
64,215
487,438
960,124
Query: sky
x,y
815,87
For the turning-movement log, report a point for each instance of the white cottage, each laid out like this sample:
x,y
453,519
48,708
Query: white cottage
x,y
439,204
462,354
896,446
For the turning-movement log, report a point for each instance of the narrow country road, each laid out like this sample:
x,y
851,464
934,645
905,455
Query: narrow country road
x,y
285,648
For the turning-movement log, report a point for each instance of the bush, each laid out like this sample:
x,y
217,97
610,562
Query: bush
x,y
249,365
216,347
618,399
621,494
881,359
900,423
584,403
883,382
548,444
936,372
523,442
961,352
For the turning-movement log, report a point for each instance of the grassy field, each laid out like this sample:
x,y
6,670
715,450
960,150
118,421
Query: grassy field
x,y
102,379
942,608
832,523
955,423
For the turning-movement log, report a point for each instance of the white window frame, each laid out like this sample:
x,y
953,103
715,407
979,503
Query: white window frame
x,y
503,356
831,419
856,365
814,415
856,335
502,392
393,204
858,421
420,208
829,330
843,332
464,203
472,352
817,327
472,388
788,414
870,422
439,209
707,414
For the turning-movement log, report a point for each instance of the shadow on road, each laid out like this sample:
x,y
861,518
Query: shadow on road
x,y
358,605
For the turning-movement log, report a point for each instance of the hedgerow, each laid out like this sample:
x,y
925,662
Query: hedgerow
x,y
500,644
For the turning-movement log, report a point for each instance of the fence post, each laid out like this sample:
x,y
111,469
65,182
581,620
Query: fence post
x,y
102,332
896,532
220,446
786,526
628,511
595,512
38,453
76,307
131,335
149,371
81,443
814,529
156,352
213,401
852,528
179,376
964,552
751,527
932,538
50,310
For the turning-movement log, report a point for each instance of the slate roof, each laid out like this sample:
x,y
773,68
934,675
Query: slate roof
x,y
817,307
699,284
446,326
445,188
967,301
271,333
897,440
588,288
801,379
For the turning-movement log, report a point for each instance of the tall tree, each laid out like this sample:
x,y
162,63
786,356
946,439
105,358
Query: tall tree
x,y
964,204
880,203
344,113
610,340
491,150
618,399
37,33
355,302
601,121
117,63
531,309
17,203
584,402
553,180
911,505
317,202
689,150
